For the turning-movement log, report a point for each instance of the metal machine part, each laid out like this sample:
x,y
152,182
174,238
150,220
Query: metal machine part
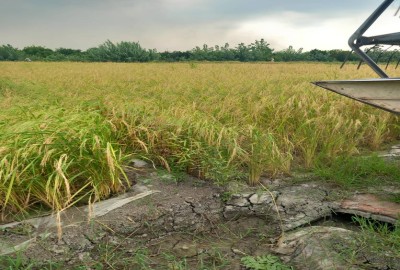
x,y
382,93
357,40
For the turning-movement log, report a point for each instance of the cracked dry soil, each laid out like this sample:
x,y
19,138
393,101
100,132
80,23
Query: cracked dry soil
x,y
194,224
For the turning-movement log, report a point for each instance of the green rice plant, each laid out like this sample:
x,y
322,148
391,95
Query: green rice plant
x,y
57,157
263,155
193,145
378,130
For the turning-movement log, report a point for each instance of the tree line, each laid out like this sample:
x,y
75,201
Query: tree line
x,y
126,51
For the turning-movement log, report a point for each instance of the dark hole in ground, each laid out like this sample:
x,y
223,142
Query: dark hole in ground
x,y
351,222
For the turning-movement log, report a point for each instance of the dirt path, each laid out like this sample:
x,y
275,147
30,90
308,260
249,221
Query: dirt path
x,y
193,224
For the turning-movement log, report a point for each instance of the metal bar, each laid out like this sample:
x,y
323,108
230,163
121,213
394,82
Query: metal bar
x,y
366,53
381,53
347,58
390,58
387,39
354,39
398,62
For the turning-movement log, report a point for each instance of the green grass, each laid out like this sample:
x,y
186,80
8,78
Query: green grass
x,y
20,262
266,262
360,171
380,238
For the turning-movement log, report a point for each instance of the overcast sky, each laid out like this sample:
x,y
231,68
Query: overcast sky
x,y
184,24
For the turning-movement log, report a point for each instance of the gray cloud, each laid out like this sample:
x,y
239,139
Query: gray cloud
x,y
173,24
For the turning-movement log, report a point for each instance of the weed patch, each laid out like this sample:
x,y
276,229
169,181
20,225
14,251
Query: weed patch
x,y
380,237
360,171
265,262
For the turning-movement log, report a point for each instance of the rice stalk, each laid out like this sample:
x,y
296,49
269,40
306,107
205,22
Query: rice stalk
x,y
66,129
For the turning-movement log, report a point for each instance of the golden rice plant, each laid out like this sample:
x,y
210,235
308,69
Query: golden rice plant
x,y
67,127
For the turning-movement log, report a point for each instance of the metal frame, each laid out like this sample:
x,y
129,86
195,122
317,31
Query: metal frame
x,y
357,40
383,93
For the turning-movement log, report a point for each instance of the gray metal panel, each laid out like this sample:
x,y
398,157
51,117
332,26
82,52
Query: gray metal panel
x,y
380,93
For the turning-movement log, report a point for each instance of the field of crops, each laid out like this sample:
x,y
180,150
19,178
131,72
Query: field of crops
x,y
68,129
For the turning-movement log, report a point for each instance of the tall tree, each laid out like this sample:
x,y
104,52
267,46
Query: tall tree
x,y
9,53
37,52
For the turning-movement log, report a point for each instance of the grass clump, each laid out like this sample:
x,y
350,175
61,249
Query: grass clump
x,y
380,238
265,262
360,171
20,262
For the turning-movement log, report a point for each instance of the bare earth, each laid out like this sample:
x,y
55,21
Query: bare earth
x,y
192,224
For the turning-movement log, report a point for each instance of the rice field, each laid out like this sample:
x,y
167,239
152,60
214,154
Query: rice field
x,y
68,129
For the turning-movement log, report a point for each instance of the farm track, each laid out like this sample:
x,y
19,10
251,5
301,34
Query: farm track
x,y
196,222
